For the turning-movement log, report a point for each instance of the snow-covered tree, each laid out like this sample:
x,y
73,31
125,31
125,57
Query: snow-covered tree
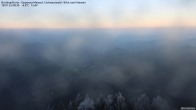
x,y
70,107
86,104
109,101
159,104
142,103
112,102
120,102
99,103
78,99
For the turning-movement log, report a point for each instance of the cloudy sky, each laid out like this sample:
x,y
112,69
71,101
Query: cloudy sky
x,y
103,14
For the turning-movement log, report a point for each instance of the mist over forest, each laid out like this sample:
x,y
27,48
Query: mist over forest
x,y
43,68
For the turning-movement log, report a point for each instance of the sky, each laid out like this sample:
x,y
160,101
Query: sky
x,y
102,14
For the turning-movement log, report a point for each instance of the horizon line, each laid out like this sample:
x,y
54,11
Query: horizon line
x,y
158,27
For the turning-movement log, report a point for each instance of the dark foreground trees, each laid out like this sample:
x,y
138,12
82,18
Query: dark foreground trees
x,y
114,102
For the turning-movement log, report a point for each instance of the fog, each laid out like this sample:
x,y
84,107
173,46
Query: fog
x,y
38,66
